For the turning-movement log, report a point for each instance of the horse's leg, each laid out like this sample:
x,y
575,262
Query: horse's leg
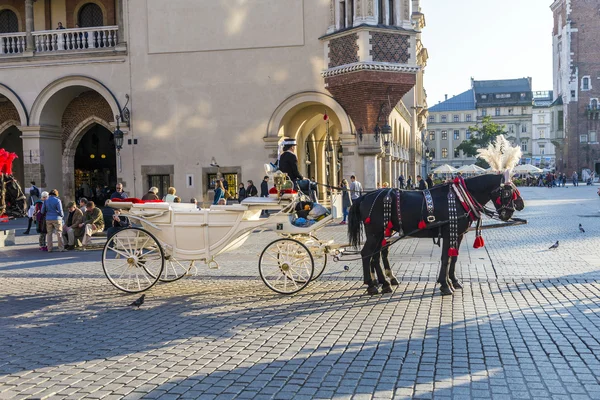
x,y
444,268
386,287
388,269
367,251
374,263
455,282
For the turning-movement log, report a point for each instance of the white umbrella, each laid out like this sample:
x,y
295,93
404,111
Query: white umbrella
x,y
526,169
471,169
444,169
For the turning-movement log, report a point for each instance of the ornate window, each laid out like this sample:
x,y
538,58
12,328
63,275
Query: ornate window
x,y
468,117
456,153
524,128
456,135
431,135
9,22
444,135
90,15
585,83
391,18
483,112
468,134
497,111
444,119
431,118
592,136
524,146
583,138
456,118
444,153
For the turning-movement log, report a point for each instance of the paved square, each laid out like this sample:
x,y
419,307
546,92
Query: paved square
x,y
525,326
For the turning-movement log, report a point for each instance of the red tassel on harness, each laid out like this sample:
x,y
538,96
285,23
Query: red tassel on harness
x,y
388,232
367,220
478,242
514,195
390,225
452,252
383,242
422,224
498,201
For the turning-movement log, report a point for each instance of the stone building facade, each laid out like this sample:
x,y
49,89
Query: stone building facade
x,y
188,99
576,67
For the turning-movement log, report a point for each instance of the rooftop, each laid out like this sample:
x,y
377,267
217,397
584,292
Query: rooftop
x,y
463,101
502,86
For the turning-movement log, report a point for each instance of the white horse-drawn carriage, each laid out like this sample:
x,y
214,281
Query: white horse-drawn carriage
x,y
173,236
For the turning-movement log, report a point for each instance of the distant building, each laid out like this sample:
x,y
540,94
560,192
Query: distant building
x,y
508,102
576,70
544,122
448,125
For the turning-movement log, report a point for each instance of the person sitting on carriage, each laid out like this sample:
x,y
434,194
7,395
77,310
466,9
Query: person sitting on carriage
x,y
288,163
118,222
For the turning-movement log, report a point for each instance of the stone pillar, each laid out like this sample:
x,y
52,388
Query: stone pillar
x,y
120,20
42,153
29,25
386,173
371,164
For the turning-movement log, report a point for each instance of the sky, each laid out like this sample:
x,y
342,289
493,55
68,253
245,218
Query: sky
x,y
485,39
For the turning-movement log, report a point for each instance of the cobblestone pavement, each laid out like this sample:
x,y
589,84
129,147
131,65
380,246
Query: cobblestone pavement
x,y
526,324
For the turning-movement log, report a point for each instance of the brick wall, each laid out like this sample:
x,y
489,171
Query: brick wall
x,y
19,5
362,93
343,50
585,45
108,5
87,104
8,112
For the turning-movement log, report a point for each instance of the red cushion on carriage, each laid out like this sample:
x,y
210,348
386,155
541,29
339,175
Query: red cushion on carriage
x,y
135,200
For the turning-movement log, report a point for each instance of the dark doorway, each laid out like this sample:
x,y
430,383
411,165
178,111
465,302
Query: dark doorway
x,y
96,165
597,168
90,15
8,22
10,140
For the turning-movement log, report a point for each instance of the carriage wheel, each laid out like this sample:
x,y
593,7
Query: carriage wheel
x,y
174,270
133,260
286,266
319,257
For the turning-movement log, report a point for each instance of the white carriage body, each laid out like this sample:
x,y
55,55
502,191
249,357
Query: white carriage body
x,y
188,233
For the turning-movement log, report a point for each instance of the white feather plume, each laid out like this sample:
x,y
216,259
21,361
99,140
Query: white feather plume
x,y
501,155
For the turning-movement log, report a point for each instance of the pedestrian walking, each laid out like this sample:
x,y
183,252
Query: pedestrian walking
x,y
575,178
53,210
346,200
355,188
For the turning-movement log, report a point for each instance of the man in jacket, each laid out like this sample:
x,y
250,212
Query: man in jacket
x,y
54,219
152,194
422,183
429,181
93,222
72,231
288,162
118,222
355,188
264,192
119,193
251,190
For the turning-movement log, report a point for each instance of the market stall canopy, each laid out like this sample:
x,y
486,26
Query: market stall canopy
x,y
526,169
444,169
471,169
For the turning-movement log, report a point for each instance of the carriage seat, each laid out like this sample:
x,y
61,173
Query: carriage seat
x,y
229,207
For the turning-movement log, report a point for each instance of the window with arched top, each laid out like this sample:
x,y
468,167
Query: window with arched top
x,y
90,15
9,21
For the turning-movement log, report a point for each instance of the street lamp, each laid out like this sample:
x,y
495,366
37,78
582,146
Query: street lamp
x,y
118,135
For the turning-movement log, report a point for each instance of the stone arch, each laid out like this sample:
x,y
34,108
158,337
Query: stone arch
x,y
49,106
17,104
298,101
82,3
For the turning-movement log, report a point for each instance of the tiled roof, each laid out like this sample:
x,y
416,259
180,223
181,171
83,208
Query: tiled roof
x,y
502,86
463,101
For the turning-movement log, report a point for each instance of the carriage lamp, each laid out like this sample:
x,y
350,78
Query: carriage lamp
x,y
386,132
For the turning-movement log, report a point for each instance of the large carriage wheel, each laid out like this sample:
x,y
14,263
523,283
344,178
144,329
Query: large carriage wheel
x,y
133,260
286,266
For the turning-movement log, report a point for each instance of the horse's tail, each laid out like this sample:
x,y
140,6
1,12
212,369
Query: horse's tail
x,y
354,223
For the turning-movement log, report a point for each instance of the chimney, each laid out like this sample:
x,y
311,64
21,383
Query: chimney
x,y
446,97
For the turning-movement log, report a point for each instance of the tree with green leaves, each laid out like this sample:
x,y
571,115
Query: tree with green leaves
x,y
481,136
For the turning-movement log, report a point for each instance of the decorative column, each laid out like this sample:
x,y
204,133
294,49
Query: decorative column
x,y
120,20
29,25
370,167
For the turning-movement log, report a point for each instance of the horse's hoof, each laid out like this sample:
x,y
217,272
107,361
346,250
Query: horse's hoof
x,y
375,282
394,282
386,289
372,290
445,290
456,285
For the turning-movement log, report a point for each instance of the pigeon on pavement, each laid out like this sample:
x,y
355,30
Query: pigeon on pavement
x,y
138,302
581,229
554,246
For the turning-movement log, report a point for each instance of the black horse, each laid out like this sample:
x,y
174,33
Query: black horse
x,y
370,211
12,199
